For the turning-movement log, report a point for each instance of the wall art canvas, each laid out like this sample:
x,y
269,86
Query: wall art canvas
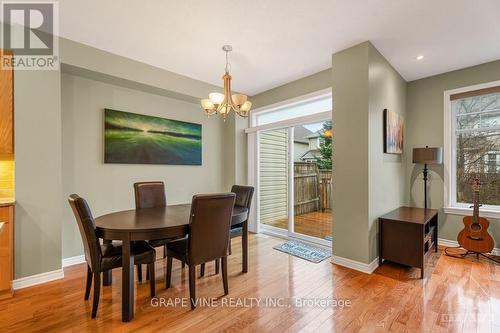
x,y
393,132
139,139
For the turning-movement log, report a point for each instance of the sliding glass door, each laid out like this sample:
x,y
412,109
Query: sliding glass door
x,y
294,181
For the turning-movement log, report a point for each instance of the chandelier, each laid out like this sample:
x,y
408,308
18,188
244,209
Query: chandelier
x,y
222,104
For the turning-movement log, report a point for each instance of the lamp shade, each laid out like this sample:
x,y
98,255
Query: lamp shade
x,y
428,155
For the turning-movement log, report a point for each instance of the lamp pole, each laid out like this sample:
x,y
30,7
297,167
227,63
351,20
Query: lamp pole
x,y
425,185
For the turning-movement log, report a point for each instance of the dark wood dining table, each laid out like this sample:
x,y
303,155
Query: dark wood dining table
x,y
149,224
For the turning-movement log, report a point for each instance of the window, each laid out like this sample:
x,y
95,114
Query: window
x,y
307,107
473,147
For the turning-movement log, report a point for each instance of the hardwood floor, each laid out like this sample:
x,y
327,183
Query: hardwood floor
x,y
316,224
455,296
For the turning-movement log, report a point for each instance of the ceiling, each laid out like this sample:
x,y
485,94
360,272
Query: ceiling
x,y
278,41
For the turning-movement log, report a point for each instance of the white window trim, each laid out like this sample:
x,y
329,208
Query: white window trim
x,y
303,99
450,204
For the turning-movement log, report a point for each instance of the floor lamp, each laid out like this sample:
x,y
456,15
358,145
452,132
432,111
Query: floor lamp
x,y
426,156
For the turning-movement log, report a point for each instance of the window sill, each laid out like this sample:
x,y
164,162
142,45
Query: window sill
x,y
493,214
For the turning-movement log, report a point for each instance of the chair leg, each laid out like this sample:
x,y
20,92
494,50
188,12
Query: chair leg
x,y
229,246
139,273
244,247
217,266
152,281
97,293
224,275
168,277
89,283
164,251
192,286
202,270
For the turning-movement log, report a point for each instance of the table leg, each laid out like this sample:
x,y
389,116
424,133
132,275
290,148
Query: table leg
x,y
244,244
127,281
107,276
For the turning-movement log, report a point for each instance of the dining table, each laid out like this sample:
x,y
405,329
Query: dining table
x,y
150,224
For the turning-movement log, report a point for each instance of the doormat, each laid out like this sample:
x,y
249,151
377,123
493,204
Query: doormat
x,y
304,251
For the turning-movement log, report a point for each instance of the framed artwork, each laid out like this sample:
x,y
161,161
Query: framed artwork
x,y
393,132
139,139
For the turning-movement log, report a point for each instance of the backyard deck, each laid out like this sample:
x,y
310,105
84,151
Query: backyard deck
x,y
316,224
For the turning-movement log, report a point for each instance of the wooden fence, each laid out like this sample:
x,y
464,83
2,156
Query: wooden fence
x,y
325,189
312,188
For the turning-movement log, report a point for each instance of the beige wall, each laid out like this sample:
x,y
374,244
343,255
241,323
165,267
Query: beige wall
x,y
108,187
425,127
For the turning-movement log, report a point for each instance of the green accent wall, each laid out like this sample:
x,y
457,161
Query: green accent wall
x,y
312,83
38,219
366,182
45,144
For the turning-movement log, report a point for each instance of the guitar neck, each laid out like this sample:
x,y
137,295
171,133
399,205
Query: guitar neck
x,y
475,199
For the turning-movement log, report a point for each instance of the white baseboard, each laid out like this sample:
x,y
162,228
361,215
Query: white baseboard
x,y
356,265
452,243
73,260
37,279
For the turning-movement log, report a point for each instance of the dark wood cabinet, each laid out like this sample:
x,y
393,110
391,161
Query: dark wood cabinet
x,y
407,235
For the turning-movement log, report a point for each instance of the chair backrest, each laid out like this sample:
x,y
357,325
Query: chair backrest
x,y
86,224
150,194
209,227
244,195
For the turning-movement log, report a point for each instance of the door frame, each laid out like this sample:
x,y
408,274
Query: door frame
x,y
253,167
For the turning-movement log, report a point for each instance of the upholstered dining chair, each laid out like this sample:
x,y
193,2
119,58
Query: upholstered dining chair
x,y
151,194
208,238
244,195
108,256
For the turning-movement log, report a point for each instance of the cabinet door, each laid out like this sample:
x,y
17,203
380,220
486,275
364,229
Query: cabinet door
x,y
6,109
6,250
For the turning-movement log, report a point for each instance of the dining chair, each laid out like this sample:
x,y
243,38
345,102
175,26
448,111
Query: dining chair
x,y
107,256
208,238
151,194
244,195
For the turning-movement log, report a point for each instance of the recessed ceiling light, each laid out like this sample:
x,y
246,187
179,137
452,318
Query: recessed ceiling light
x,y
420,57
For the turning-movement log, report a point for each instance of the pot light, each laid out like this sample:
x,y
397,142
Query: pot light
x,y
420,57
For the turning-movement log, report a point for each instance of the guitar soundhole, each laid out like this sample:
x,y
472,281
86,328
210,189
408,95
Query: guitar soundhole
x,y
475,227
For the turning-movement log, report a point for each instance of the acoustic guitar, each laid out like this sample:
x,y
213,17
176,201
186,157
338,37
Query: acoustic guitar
x,y
475,237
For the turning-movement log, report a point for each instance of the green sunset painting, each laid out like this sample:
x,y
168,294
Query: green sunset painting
x,y
139,139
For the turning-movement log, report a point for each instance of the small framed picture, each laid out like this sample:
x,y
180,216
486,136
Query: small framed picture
x,y
393,132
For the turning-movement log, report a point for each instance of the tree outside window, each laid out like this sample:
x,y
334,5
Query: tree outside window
x,y
477,135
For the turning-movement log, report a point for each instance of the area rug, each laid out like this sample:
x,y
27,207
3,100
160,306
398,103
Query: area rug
x,y
304,251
